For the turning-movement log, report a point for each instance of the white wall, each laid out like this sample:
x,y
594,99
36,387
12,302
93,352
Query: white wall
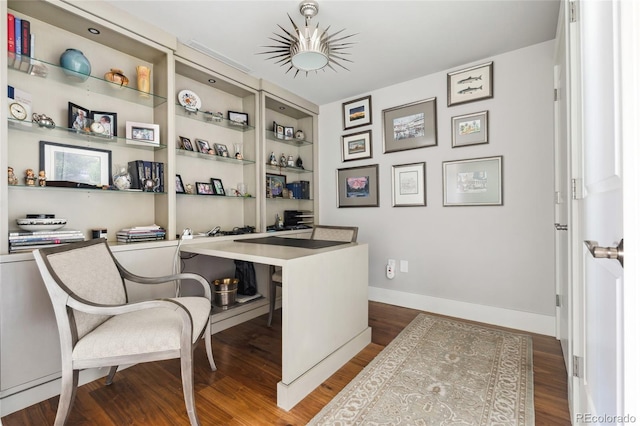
x,y
490,263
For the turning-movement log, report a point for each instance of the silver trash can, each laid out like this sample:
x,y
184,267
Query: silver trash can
x,y
225,291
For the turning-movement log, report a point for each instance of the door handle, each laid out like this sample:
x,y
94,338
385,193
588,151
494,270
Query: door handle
x,y
606,252
561,227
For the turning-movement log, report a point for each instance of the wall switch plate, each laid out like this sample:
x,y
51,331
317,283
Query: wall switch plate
x,y
404,266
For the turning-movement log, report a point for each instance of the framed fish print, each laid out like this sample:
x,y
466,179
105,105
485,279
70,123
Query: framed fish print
x,y
358,186
470,84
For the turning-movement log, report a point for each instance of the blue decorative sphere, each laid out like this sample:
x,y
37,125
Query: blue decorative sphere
x,y
75,64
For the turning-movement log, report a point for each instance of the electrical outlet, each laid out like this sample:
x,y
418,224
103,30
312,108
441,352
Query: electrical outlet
x,y
391,268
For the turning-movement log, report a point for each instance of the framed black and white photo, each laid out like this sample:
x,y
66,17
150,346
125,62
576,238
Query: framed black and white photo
x,y
278,130
288,132
204,188
356,146
356,113
203,146
108,120
218,188
276,184
143,134
186,144
221,149
79,118
470,84
470,129
473,182
358,186
409,126
75,164
238,118
409,185
179,185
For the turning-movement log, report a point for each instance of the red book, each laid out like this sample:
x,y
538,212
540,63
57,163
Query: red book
x,y
26,33
11,36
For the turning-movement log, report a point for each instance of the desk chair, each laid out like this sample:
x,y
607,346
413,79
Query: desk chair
x,y
320,232
99,328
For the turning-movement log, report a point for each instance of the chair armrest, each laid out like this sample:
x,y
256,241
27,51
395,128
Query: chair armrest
x,y
167,278
96,309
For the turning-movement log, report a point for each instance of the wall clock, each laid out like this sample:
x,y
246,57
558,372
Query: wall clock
x,y
18,111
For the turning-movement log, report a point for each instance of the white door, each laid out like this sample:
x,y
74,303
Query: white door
x,y
607,387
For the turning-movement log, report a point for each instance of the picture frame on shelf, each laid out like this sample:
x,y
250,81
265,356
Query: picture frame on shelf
x,y
185,143
358,186
79,118
218,188
356,146
288,132
470,84
278,130
409,185
238,118
204,188
410,126
472,182
73,164
179,185
143,133
356,113
470,129
276,185
221,149
203,146
108,120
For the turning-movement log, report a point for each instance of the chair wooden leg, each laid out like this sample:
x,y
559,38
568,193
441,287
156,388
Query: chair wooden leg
x,y
207,344
67,394
186,368
112,373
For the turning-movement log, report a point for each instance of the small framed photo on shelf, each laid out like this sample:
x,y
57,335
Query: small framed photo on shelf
x,y
108,120
276,185
185,143
79,118
218,189
238,118
179,185
221,149
409,126
470,84
288,132
356,146
470,129
278,130
474,182
409,183
204,188
358,186
143,133
74,164
203,146
356,113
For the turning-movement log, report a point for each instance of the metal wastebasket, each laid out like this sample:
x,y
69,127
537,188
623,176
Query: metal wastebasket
x,y
225,291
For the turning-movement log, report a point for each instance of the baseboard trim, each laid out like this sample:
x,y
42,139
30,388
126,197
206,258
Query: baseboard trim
x,y
526,321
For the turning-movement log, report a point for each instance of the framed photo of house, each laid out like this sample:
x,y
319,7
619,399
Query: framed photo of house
x,y
179,185
203,146
218,189
473,182
470,129
358,186
75,164
109,121
356,146
276,184
409,185
143,134
204,188
238,118
470,84
186,143
356,113
409,126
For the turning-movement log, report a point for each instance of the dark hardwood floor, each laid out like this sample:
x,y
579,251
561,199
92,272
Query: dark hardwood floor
x,y
243,390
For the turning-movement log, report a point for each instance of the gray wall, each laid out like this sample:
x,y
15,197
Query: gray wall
x,y
489,263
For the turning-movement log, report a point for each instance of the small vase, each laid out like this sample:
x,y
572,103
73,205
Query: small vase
x,y
74,64
144,76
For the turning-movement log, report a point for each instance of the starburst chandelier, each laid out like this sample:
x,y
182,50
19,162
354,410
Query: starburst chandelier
x,y
309,48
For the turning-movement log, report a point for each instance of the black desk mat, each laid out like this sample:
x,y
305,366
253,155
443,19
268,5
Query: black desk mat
x,y
292,242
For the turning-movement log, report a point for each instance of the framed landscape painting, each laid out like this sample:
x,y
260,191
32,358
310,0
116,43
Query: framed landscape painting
x,y
409,126
358,186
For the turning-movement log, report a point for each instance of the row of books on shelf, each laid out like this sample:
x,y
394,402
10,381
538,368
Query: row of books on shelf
x,y
147,175
20,42
141,233
29,240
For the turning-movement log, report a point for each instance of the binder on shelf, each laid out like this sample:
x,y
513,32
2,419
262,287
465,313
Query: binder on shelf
x,y
11,39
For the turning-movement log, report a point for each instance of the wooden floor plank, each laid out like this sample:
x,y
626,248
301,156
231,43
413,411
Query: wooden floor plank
x,y
243,390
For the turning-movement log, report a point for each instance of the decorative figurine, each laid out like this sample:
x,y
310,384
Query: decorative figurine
x,y
122,178
13,180
299,163
29,178
283,160
43,121
117,77
42,178
272,159
238,149
188,188
300,135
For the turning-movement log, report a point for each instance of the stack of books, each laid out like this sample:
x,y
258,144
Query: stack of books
x,y
20,241
141,233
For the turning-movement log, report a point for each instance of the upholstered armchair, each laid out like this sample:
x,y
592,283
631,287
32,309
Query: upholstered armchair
x,y
347,234
99,328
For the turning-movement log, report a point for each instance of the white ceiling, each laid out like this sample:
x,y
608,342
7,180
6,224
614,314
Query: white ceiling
x,y
396,40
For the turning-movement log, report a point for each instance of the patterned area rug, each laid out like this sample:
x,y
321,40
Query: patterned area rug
x,y
439,371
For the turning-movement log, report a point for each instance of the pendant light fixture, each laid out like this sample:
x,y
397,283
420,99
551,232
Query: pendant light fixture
x,y
309,48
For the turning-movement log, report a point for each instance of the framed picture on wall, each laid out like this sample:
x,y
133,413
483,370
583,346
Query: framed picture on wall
x,y
470,84
473,182
356,146
409,183
409,126
470,129
356,113
358,186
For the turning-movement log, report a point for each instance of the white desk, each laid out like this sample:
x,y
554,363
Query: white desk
x,y
324,307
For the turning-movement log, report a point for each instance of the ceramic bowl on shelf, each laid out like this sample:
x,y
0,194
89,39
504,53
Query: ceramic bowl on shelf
x,y
40,224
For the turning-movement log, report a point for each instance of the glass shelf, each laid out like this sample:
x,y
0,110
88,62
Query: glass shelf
x,y
211,119
54,72
59,131
194,154
96,189
288,199
280,169
218,197
294,142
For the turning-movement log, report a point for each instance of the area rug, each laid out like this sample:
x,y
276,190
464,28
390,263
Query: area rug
x,y
439,371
